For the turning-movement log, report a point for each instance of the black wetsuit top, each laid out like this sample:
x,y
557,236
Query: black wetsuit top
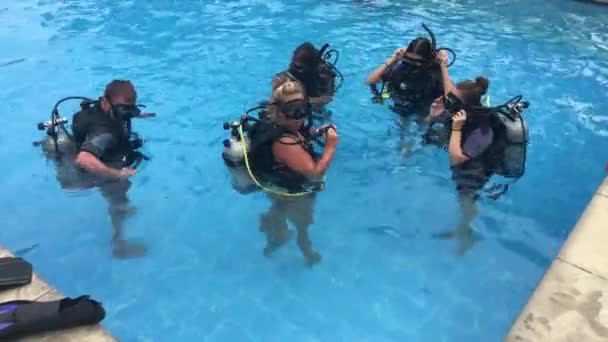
x,y
264,165
104,137
413,93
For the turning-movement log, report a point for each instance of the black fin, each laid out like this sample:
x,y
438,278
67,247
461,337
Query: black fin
x,y
23,318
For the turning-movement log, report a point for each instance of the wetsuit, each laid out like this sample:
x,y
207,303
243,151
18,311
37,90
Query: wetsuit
x,y
299,209
264,165
471,176
107,139
413,92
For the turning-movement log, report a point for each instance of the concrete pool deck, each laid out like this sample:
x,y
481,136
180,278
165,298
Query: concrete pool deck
x,y
571,302
39,290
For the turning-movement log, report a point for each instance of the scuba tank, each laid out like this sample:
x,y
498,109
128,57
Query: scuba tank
x,y
515,136
64,146
235,147
233,153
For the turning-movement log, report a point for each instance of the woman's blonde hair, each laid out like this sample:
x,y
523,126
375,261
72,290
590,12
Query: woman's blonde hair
x,y
279,94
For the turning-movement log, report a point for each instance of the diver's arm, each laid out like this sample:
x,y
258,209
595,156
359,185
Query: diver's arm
x,y
442,59
91,163
447,82
288,152
91,151
376,76
457,156
455,151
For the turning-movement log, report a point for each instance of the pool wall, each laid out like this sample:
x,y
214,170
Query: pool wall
x,y
570,303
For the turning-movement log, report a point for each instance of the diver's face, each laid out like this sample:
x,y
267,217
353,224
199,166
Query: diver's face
x,y
118,100
126,100
414,58
304,67
293,111
121,106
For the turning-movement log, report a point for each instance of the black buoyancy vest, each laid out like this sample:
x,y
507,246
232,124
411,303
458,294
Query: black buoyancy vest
x,y
423,86
263,135
92,121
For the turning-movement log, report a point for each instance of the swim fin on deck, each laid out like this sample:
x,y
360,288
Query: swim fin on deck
x,y
14,272
23,318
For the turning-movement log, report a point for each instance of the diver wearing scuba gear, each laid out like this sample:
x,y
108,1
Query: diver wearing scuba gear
x,y
470,143
102,132
315,73
281,152
412,76
482,141
101,152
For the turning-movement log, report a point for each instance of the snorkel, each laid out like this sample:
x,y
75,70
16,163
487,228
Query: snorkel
x,y
434,45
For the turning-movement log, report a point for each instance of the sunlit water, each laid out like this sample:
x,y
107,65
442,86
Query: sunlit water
x,y
383,276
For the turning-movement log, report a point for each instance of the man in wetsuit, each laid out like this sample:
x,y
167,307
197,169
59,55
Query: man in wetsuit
x,y
102,133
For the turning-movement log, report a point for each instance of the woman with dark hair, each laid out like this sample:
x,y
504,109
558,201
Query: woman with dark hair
x,y
413,77
306,68
470,140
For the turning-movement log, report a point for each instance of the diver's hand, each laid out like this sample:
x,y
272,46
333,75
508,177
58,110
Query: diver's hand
x,y
443,58
331,137
396,55
458,120
399,52
436,111
322,130
126,172
377,99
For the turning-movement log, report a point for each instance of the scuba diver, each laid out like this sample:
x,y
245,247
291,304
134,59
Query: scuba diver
x,y
412,77
279,157
101,151
316,73
481,141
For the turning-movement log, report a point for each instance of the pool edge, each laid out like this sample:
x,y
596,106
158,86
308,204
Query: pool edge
x,y
39,289
569,303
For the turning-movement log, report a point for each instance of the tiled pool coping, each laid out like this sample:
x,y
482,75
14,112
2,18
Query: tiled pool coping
x,y
570,303
39,290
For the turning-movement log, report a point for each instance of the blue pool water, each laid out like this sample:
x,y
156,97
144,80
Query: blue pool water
x,y
383,276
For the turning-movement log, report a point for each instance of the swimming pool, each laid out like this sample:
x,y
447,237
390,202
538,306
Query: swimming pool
x,y
383,277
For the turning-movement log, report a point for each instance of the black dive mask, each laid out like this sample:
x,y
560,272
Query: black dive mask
x,y
295,109
302,71
452,103
414,63
126,112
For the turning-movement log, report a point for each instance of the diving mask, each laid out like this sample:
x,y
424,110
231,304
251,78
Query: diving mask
x,y
413,62
452,103
295,109
126,112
